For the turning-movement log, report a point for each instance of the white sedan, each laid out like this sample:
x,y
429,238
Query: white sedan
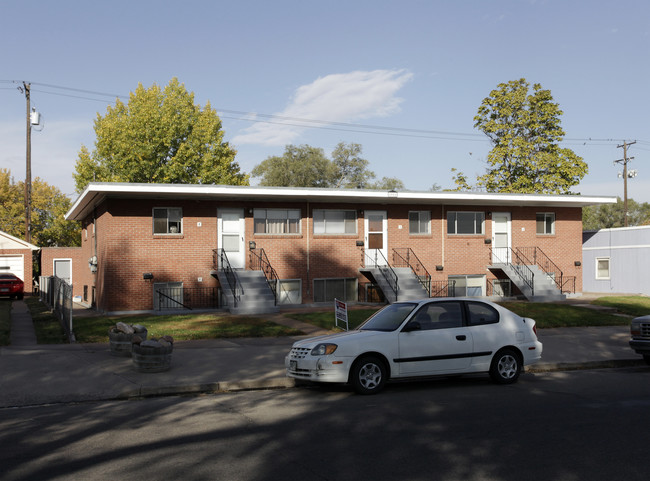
x,y
420,338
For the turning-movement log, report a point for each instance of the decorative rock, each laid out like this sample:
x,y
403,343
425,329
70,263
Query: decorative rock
x,y
150,343
125,328
138,328
121,337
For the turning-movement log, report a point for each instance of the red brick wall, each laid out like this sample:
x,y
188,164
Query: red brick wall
x,y
127,248
79,265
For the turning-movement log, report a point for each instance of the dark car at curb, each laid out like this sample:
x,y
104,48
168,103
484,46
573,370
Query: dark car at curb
x,y
640,337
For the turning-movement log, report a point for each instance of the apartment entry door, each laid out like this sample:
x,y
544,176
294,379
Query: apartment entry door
x,y
501,237
376,238
230,226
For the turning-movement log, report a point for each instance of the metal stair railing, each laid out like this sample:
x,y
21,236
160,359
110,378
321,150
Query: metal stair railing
x,y
260,262
233,281
443,289
519,264
405,257
386,270
544,262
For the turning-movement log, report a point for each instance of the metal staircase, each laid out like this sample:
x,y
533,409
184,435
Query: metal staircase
x,y
245,292
535,283
397,283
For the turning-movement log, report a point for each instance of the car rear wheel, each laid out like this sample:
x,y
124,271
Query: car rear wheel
x,y
506,367
368,375
646,358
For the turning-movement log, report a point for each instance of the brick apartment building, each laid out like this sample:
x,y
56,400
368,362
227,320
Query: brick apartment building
x,y
158,246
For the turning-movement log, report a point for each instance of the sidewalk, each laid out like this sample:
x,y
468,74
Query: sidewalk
x,y
32,374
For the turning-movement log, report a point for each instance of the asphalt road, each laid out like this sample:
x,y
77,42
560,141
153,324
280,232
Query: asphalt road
x,y
558,426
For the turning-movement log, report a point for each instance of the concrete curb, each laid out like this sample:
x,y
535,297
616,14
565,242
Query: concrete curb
x,y
286,383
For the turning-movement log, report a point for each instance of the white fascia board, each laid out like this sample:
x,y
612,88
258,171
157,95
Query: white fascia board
x,y
96,192
10,242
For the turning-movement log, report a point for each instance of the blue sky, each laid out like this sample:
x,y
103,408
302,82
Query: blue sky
x,y
414,71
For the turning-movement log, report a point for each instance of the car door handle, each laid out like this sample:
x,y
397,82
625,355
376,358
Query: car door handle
x,y
461,338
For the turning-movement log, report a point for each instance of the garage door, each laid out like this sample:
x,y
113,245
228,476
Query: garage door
x,y
13,264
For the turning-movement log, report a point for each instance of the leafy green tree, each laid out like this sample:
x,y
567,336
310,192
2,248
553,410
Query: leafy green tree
x,y
49,206
607,216
351,170
388,183
525,131
160,136
306,166
299,166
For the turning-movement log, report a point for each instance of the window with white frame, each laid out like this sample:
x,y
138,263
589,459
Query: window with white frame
x,y
277,221
602,268
289,291
546,223
468,286
420,222
167,220
335,221
465,222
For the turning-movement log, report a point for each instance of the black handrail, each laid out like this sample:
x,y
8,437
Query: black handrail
x,y
519,263
443,289
233,281
544,262
405,257
260,262
385,269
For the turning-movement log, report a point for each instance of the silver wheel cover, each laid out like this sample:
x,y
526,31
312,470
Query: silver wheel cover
x,y
370,375
507,366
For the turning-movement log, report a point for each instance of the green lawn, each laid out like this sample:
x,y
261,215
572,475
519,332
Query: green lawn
x,y
326,319
222,325
47,326
183,327
632,305
563,315
5,321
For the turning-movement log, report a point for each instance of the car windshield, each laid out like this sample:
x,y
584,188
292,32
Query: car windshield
x,y
389,318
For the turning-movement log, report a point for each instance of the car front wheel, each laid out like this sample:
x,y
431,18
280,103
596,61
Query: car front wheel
x,y
368,375
506,367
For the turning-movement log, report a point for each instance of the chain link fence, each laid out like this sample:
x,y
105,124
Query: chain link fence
x,y
57,294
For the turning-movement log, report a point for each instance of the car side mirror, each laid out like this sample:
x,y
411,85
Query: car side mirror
x,y
412,326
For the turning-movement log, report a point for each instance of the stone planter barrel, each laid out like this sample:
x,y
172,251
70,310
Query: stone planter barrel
x,y
120,342
151,359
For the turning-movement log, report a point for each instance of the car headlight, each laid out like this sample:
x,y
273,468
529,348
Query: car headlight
x,y
324,349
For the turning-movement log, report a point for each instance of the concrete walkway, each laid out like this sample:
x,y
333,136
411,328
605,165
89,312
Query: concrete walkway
x,y
22,325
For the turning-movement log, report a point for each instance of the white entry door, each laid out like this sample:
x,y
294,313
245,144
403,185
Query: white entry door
x,y
501,237
230,225
63,269
376,242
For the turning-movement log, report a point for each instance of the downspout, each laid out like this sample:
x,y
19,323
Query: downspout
x,y
308,252
442,233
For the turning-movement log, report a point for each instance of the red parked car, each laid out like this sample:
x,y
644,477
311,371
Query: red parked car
x,y
11,285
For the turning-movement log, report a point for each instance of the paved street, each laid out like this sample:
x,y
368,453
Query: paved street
x,y
573,425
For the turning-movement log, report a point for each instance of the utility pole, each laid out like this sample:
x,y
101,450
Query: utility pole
x,y
28,173
624,161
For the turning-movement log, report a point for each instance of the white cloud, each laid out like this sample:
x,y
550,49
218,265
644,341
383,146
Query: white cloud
x,y
54,151
333,98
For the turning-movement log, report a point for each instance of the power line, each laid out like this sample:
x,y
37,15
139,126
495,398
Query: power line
x,y
276,119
